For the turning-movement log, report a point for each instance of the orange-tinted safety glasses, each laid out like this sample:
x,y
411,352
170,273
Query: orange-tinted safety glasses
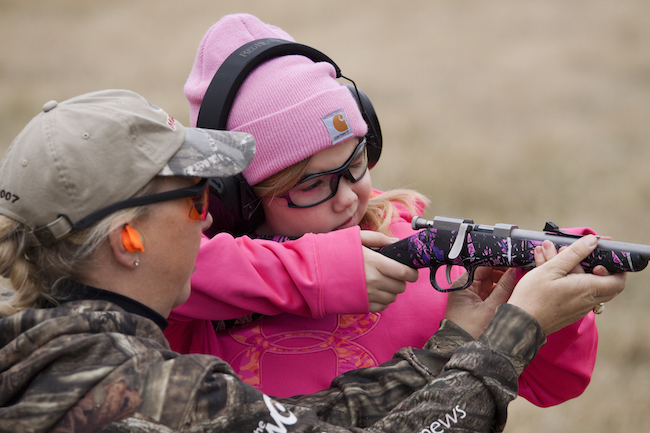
x,y
199,209
198,193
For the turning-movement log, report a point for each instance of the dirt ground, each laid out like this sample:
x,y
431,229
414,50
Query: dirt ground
x,y
505,111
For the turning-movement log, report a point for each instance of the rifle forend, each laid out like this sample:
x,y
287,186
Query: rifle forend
x,y
447,241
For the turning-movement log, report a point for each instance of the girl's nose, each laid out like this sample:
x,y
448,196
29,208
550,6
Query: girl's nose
x,y
345,196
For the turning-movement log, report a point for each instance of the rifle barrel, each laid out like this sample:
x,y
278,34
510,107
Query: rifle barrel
x,y
642,250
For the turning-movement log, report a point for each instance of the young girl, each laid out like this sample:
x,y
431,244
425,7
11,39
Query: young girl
x,y
312,181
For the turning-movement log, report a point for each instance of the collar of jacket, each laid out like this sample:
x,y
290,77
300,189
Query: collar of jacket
x,y
75,291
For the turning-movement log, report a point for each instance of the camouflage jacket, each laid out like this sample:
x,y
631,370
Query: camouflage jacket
x,y
90,366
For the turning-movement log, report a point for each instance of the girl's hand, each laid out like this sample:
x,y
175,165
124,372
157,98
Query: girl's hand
x,y
473,307
385,278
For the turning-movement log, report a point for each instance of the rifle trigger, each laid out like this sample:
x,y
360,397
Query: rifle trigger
x,y
458,243
448,274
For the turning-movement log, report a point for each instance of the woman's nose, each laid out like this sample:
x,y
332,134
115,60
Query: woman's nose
x,y
205,224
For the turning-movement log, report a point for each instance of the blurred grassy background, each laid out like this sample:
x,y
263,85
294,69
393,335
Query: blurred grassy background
x,y
502,111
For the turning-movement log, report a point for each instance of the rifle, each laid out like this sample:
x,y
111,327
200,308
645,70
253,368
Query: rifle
x,y
447,241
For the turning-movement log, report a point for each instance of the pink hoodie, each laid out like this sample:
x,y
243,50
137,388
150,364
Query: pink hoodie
x,y
317,325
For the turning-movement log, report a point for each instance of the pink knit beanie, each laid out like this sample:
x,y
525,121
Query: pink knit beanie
x,y
293,107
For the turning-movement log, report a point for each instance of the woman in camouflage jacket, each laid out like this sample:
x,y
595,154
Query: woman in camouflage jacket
x,y
94,271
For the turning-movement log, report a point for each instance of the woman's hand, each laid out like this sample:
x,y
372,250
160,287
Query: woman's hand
x,y
385,278
558,291
473,307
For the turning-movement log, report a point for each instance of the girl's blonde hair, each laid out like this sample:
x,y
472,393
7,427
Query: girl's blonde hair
x,y
381,208
35,273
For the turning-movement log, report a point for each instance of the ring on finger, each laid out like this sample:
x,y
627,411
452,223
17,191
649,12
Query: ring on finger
x,y
598,309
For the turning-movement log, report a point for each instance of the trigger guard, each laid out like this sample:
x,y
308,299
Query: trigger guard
x,y
434,283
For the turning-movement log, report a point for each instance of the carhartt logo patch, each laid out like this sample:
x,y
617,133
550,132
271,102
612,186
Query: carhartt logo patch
x,y
338,126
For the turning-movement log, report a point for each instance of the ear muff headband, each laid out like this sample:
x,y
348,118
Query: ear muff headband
x,y
373,136
220,95
233,206
226,82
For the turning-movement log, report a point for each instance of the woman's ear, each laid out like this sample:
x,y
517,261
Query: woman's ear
x,y
126,244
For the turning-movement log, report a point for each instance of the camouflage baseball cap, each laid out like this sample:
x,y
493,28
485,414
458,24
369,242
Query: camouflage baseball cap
x,y
91,151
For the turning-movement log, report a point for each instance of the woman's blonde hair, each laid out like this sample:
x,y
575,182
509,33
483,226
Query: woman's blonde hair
x,y
35,273
381,208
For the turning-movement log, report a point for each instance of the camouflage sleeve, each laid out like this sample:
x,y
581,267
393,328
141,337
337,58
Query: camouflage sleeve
x,y
361,397
473,391
457,383
411,393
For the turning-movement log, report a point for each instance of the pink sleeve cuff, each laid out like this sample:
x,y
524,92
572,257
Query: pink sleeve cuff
x,y
345,277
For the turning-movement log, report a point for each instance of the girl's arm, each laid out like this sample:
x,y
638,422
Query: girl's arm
x,y
315,275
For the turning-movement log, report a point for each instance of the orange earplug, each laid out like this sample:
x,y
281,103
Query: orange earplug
x,y
131,240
